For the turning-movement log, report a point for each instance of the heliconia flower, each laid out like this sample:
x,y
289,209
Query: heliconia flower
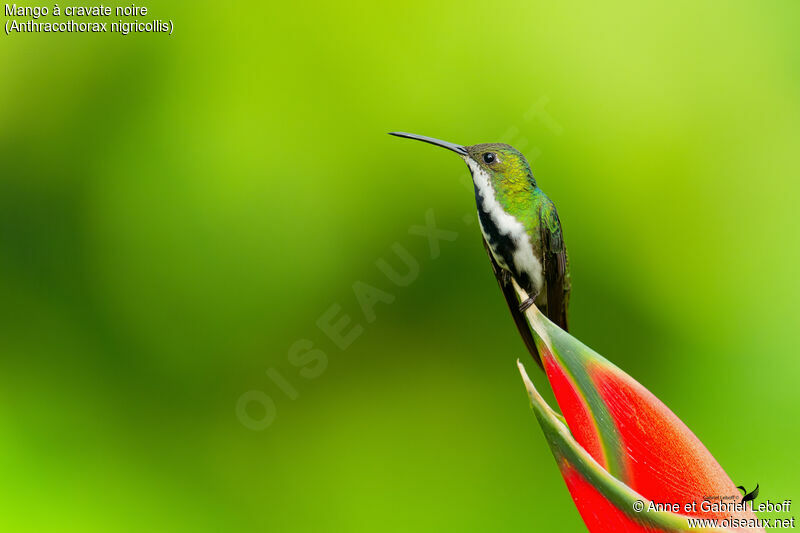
x,y
629,463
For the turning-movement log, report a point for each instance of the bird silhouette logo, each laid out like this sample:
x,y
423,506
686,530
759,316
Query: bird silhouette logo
x,y
748,496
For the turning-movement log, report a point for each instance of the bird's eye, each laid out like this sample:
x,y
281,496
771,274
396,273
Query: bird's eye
x,y
489,158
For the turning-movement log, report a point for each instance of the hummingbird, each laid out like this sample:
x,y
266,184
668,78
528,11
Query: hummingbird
x,y
521,232
748,496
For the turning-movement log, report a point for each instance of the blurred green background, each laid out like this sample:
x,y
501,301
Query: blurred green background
x,y
177,212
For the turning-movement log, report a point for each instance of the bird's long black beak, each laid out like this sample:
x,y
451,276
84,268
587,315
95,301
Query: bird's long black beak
x,y
460,150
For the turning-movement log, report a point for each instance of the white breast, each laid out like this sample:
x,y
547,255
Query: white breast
x,y
524,260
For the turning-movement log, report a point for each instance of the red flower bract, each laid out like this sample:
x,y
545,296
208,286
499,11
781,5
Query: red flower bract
x,y
624,445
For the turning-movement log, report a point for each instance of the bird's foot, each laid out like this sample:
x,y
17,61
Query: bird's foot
x,y
524,306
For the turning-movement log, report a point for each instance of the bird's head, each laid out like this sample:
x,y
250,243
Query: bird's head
x,y
500,165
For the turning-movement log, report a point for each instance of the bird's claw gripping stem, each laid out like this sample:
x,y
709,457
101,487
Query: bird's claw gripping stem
x,y
525,305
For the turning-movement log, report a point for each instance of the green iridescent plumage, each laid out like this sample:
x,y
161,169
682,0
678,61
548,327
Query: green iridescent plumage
x,y
521,229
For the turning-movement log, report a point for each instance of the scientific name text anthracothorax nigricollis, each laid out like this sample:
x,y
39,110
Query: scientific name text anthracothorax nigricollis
x,y
83,19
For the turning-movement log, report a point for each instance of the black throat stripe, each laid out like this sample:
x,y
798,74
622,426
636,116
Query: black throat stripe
x,y
501,245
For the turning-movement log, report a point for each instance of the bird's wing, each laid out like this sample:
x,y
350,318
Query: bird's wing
x,y
556,265
507,287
